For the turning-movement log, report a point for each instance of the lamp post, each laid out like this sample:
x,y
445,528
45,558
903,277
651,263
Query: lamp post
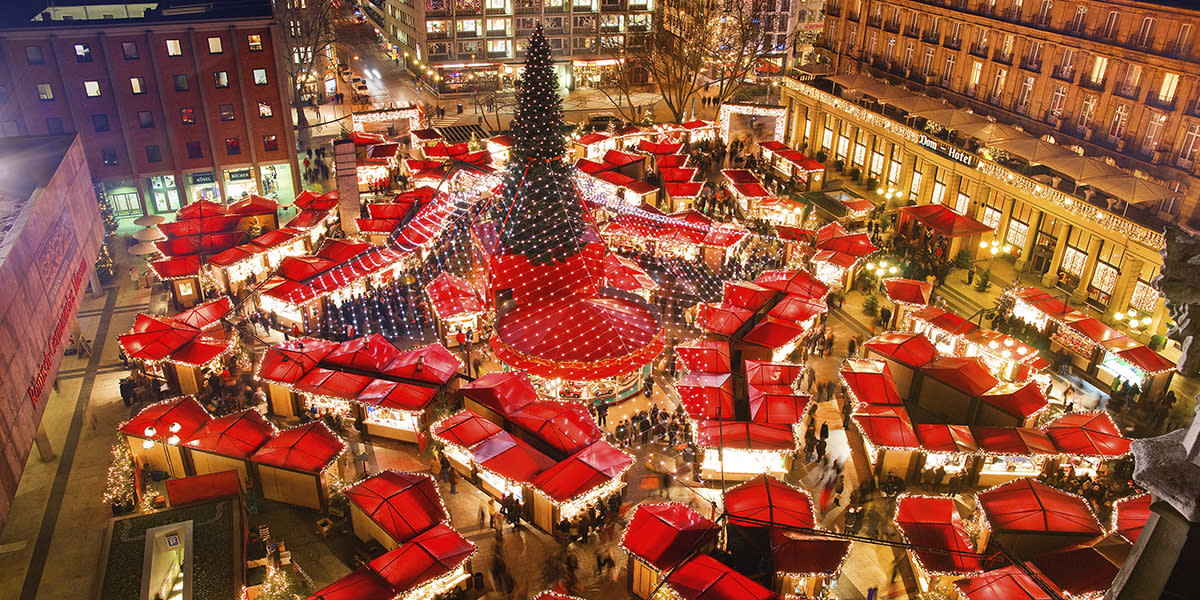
x,y
1137,321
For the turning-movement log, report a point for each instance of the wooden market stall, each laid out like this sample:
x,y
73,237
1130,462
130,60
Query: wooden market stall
x,y
1029,518
660,536
942,547
182,349
154,435
295,466
392,507
227,443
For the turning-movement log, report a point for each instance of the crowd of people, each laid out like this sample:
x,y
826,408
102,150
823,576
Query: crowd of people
x,y
396,310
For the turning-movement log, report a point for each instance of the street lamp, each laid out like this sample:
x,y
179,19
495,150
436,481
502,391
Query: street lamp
x,y
882,268
995,248
1136,321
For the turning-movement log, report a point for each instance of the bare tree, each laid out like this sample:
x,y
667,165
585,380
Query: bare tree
x,y
307,34
747,38
675,51
629,74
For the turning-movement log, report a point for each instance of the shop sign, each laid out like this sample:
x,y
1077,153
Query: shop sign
x,y
201,178
239,175
54,344
949,151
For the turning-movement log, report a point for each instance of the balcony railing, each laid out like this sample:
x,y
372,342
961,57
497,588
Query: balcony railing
x,y
1105,35
980,50
1177,50
1075,27
1131,92
931,37
497,53
912,32
1063,73
1002,57
852,17
438,12
874,21
1092,84
892,26
496,11
1137,42
437,35
1031,65
1193,108
833,10
952,43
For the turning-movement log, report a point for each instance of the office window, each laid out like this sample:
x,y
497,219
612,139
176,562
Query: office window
x,y
214,45
109,157
33,55
195,150
221,79
233,146
181,82
45,92
255,41
270,143
174,48
153,154
91,89
226,111
83,53
187,115
260,76
130,50
264,110
138,85
145,119
54,125
100,122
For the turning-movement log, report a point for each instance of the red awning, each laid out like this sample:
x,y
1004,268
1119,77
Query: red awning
x,y
740,176
886,425
307,219
309,448
334,384
722,319
1130,516
163,416
201,208
1009,583
584,471
361,584
794,282
705,355
797,309
707,395
838,259
774,403
870,381
907,348
623,273
235,254
1095,330
504,392
154,338
804,554
772,373
205,243
235,435
1021,400
176,268
398,395
1087,433
908,291
858,204
621,159
510,457
253,205
653,148
766,501
941,219
310,202
201,351
403,505
771,332
968,374
751,190
676,189
857,245
703,578
288,362
677,174
724,236
934,526
432,554
744,435
342,250
591,138
749,296
362,138
1147,360
663,534
369,353
946,438
451,295
194,227
566,427
1028,506
944,320
276,237
1084,570
465,428
431,364
1012,440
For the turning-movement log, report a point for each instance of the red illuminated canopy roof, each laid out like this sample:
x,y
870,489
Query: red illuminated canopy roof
x,y
707,395
663,534
1084,569
584,471
946,438
749,296
1009,583
744,435
961,373
766,501
705,355
565,427
368,353
908,348
184,410
361,584
870,381
207,314
452,295
703,578
1146,359
772,332
1012,440
504,392
397,395
1020,400
290,361
510,457
253,205
764,373
886,425
1087,433
933,524
236,435
431,364
944,320
909,291
774,403
332,383
465,428
309,448
807,554
797,309
1130,516
402,504
1029,506
427,556
941,219
722,319
795,282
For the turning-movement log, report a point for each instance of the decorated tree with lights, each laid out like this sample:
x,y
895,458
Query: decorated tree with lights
x,y
118,487
106,267
540,213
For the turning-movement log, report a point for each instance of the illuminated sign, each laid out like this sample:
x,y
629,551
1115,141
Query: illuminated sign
x,y
949,151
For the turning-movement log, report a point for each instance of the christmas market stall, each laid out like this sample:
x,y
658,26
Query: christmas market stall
x,y
942,548
839,253
1009,453
906,295
947,451
393,507
298,465
428,565
941,326
1085,570
890,439
566,491
257,214
783,210
1028,518
1086,440
200,230
947,386
660,536
948,229
154,435
705,578
1130,515
457,307
182,349
747,189
241,267
1010,583
227,443
1008,358
1136,365
593,146
904,352
793,165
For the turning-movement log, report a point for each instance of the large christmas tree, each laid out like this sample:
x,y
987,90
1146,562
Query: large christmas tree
x,y
540,212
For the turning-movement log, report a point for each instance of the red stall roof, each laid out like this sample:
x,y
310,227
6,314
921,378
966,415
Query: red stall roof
x,y
1012,440
685,189
933,524
944,320
361,584
236,435
663,534
402,504
465,428
797,309
584,471
397,395
794,282
591,138
1087,433
342,250
1146,359
1009,583
306,200
772,373
774,403
705,355
703,578
431,364
566,427
504,392
369,353
772,332
886,425
276,237
1130,515
722,319
766,501
856,245
432,554
625,274
176,268
309,448
907,348
334,384
184,410
1030,506
671,160
253,205
908,291
870,381
749,296
1087,569
941,219
155,338
201,208
743,435
946,438
968,374
510,457
288,362
707,395
807,554
206,315
1022,399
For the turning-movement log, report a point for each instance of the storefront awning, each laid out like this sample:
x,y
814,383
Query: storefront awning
x,y
941,219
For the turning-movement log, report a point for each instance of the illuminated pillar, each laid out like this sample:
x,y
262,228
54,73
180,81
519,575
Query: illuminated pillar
x,y
1060,245
1089,269
1123,290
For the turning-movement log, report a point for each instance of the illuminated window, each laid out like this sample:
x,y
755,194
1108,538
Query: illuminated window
x,y
91,89
214,45
83,53
174,48
44,92
1018,232
255,41
187,115
260,76
221,79
270,143
226,112
233,146
129,50
138,85
264,110
1073,261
